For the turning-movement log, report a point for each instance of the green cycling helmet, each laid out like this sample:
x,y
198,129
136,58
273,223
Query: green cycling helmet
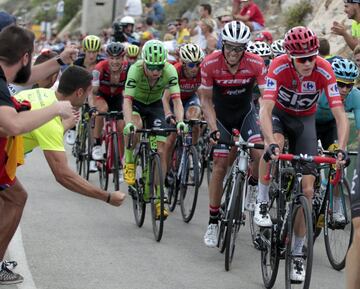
x,y
154,53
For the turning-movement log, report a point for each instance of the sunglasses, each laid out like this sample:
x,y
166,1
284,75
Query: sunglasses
x,y
236,48
341,84
193,64
152,67
303,60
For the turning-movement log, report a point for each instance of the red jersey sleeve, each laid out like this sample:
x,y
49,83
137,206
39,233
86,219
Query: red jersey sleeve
x,y
331,87
207,80
271,87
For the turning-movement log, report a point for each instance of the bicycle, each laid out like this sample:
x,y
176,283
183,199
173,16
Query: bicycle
x,y
337,235
286,200
149,182
206,156
81,150
232,209
111,162
185,173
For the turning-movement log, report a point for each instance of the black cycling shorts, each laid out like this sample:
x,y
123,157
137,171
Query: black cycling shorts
x,y
153,113
249,130
301,133
114,102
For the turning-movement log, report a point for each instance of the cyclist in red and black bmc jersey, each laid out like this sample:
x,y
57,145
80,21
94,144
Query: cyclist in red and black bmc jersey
x,y
109,78
293,85
227,81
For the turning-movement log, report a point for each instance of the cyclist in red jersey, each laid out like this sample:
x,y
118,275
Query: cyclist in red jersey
x,y
293,85
109,78
227,81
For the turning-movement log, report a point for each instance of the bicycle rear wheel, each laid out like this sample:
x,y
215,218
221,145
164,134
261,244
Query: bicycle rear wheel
x,y
300,206
79,149
157,196
137,191
189,185
338,236
234,221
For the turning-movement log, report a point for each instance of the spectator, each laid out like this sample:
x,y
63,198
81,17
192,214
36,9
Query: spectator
x,y
172,28
183,34
352,9
357,55
265,36
170,44
207,29
150,27
6,19
133,8
223,18
198,37
16,49
249,13
156,10
324,50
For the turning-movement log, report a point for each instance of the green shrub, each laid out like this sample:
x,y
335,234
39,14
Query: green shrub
x,y
295,15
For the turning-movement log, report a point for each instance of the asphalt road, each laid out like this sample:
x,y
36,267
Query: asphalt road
x,y
68,241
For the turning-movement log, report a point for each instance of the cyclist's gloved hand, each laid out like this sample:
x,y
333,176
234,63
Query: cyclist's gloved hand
x,y
343,155
215,136
92,110
182,127
270,151
129,128
170,119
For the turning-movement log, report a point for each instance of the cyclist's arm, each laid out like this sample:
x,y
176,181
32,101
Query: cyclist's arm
x,y
13,123
178,108
69,179
342,125
127,108
95,86
207,107
266,109
166,103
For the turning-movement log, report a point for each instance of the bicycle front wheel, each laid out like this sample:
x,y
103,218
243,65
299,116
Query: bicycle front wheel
x,y
157,197
173,189
115,161
189,186
301,208
103,167
338,235
234,221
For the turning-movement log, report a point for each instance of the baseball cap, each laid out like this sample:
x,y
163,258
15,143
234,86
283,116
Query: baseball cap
x,y
264,36
6,19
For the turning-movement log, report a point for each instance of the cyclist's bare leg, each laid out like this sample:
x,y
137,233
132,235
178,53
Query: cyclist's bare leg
x,y
352,267
194,112
256,156
101,106
220,167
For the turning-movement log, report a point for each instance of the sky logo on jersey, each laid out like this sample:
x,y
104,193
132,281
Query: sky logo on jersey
x,y
270,84
308,86
333,89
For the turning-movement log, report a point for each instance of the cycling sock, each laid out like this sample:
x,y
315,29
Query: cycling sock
x,y
129,156
214,214
263,194
97,142
298,246
252,181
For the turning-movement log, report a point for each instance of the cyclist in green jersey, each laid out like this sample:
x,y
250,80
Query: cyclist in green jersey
x,y
146,82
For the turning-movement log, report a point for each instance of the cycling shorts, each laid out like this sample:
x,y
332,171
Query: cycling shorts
x,y
248,127
113,102
301,133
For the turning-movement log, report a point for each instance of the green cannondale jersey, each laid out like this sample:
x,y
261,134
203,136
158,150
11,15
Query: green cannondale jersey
x,y
137,85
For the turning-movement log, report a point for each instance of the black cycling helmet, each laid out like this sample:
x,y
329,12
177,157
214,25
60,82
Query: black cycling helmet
x,y
115,49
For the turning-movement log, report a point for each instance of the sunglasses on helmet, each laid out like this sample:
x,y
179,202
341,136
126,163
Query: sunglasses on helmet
x,y
153,67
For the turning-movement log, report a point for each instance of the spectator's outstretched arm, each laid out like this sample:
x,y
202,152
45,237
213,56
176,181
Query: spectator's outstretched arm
x,y
72,181
340,29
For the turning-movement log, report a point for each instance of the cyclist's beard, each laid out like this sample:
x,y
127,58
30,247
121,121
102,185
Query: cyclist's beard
x,y
23,75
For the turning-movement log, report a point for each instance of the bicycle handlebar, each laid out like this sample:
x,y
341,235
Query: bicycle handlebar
x,y
192,122
156,130
243,144
110,114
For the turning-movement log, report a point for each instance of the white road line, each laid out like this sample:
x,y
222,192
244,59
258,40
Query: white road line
x,y
16,252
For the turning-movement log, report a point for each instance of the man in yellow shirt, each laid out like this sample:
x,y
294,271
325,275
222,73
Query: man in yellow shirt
x,y
183,34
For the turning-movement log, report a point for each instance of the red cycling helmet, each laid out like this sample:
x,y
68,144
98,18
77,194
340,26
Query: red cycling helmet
x,y
301,41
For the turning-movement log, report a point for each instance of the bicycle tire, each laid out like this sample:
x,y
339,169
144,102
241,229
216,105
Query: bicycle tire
x,y
79,150
224,213
137,191
202,158
156,176
115,161
345,230
301,202
188,199
88,157
173,190
234,222
103,167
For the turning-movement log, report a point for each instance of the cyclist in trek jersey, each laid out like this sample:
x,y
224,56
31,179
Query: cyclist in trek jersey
x,y
109,78
352,267
293,85
277,47
145,84
227,81
346,72
188,71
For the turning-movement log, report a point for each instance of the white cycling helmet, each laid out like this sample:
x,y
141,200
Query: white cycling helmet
x,y
127,20
191,53
263,48
277,47
251,47
236,32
